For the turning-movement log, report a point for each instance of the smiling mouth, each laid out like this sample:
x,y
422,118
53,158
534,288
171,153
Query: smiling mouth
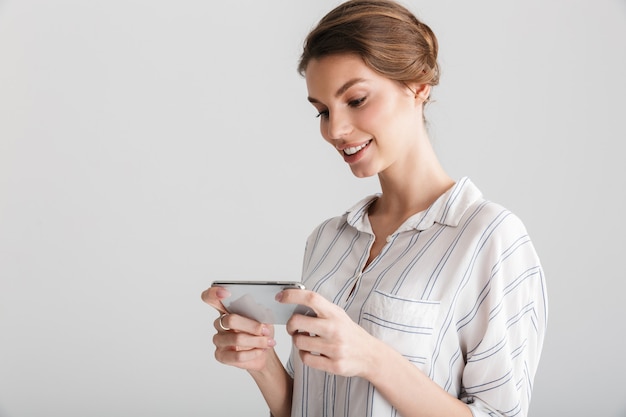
x,y
355,149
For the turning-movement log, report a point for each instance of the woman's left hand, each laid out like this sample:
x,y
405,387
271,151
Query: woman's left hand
x,y
331,342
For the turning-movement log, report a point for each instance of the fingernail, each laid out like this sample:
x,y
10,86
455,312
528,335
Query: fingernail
x,y
279,296
271,342
265,331
222,293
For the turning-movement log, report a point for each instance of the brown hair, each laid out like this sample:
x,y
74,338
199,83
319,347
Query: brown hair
x,y
387,36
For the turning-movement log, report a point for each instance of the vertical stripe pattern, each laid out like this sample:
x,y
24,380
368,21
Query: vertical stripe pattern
x,y
458,290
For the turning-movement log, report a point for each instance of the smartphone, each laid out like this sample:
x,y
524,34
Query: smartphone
x,y
255,300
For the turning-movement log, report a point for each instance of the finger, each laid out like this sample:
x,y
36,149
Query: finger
x,y
306,324
237,323
323,363
312,343
237,357
314,360
242,341
311,299
213,296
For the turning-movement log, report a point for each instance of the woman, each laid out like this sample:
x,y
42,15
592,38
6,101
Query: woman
x,y
430,300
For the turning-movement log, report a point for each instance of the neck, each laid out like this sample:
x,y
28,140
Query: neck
x,y
412,185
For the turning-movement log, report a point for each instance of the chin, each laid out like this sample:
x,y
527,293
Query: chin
x,y
359,173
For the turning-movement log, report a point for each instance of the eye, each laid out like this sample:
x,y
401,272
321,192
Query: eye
x,y
357,103
323,114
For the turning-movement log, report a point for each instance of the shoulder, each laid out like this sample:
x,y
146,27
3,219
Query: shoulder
x,y
354,217
330,225
496,233
492,219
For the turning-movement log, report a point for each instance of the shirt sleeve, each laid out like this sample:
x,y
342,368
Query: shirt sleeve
x,y
289,365
504,340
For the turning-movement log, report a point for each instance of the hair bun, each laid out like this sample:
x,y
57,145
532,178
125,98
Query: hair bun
x,y
389,38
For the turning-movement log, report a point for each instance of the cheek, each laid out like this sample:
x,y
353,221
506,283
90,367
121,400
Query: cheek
x,y
374,117
392,117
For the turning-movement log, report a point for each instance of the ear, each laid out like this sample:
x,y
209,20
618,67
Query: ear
x,y
422,91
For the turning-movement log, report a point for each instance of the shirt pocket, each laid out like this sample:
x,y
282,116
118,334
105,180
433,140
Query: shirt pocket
x,y
405,324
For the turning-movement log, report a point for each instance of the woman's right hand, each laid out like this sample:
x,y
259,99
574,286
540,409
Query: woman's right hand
x,y
239,341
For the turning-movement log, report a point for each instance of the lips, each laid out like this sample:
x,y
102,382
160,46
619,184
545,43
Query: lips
x,y
351,150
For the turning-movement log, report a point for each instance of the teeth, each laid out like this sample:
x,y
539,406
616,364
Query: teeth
x,y
353,150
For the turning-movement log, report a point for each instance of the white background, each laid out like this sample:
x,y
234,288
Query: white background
x,y
150,147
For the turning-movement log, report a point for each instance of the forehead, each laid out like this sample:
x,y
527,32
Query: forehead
x,y
327,75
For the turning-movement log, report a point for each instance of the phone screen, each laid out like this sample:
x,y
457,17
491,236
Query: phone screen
x,y
256,300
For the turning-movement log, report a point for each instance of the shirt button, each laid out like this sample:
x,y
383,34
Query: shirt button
x,y
389,238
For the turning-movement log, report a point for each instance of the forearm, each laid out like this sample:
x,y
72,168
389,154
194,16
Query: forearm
x,y
276,386
408,389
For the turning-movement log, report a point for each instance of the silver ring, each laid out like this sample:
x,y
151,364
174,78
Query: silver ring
x,y
222,324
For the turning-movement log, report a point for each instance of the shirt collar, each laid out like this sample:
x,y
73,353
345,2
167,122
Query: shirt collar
x,y
447,210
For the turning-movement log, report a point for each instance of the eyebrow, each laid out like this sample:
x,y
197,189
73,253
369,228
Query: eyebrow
x,y
341,90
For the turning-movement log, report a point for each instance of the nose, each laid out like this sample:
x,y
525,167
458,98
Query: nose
x,y
338,125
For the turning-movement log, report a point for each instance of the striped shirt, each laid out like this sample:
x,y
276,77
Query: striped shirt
x,y
458,290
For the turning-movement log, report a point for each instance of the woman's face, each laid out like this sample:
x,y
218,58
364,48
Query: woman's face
x,y
373,122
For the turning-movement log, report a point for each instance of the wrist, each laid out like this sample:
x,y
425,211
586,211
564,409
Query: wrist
x,y
275,384
375,360
271,364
